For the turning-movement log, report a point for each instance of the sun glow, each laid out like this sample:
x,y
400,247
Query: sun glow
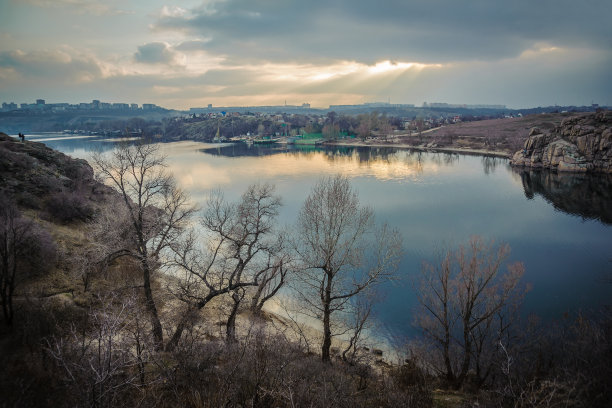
x,y
317,73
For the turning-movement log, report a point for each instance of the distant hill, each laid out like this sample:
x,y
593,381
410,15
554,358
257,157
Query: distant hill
x,y
32,121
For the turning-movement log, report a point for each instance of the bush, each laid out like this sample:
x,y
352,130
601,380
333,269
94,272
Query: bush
x,y
69,206
265,370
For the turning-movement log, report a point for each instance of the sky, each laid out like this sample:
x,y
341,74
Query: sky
x,y
182,54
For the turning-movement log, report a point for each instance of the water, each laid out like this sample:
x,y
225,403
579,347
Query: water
x,y
559,226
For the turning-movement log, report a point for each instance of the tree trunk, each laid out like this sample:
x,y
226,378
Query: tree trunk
x,y
177,335
255,305
325,355
465,366
8,320
450,376
230,327
158,334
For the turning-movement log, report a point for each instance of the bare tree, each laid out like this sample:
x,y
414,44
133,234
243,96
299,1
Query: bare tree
x,y
25,249
157,211
331,131
386,129
271,281
420,126
241,250
451,134
465,301
363,130
341,252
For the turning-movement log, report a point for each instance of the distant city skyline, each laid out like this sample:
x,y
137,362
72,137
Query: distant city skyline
x,y
260,52
43,105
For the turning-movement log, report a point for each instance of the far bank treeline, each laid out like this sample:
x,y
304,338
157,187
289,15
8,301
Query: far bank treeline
x,y
206,127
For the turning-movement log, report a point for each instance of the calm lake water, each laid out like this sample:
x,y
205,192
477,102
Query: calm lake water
x,y
559,226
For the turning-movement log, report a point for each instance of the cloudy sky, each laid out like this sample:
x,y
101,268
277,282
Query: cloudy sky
x,y
182,54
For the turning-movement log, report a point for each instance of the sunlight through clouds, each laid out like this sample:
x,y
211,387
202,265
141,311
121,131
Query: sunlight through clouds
x,y
249,52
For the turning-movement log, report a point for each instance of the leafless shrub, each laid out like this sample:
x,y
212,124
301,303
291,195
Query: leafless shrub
x,y
467,304
262,369
103,359
67,207
26,249
566,364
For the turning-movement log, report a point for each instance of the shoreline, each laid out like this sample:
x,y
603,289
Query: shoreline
x,y
476,152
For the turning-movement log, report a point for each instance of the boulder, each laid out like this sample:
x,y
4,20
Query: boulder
x,y
534,131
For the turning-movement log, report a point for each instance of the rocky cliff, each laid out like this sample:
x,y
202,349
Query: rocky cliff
x,y
40,178
579,144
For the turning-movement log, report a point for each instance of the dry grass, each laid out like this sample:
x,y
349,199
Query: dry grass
x,y
500,137
506,135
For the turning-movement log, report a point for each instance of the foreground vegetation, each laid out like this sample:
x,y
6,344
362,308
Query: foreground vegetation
x,y
98,320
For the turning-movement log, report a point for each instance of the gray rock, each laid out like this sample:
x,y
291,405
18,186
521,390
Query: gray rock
x,y
535,131
580,144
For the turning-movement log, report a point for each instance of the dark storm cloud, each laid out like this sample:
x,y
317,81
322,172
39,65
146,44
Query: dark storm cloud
x,y
155,53
421,30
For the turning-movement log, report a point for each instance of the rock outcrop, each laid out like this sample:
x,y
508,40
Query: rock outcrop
x,y
579,144
32,174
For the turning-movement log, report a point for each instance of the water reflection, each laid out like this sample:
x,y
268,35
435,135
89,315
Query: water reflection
x,y
78,145
363,154
588,196
381,162
243,150
490,163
